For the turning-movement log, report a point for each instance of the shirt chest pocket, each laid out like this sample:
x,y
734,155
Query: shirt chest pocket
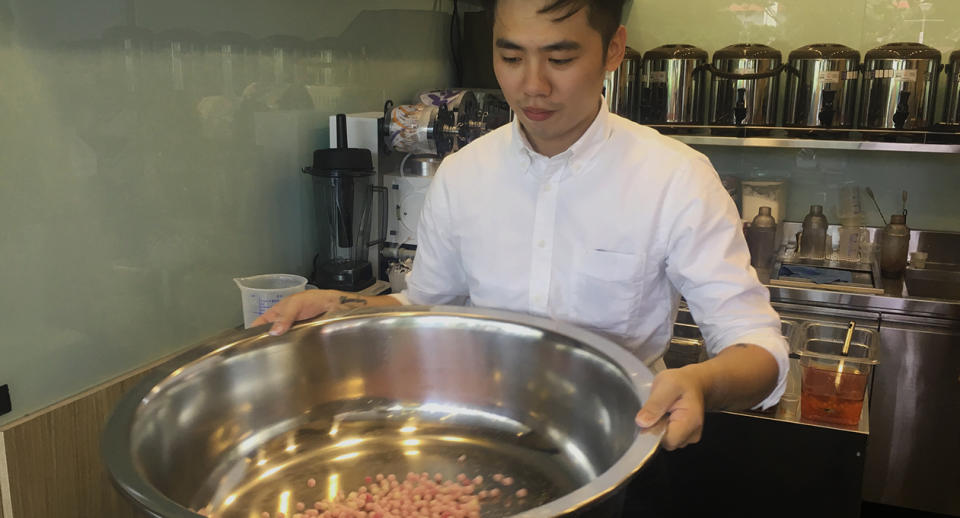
x,y
607,288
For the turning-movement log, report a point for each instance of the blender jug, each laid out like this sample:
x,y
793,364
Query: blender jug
x,y
344,183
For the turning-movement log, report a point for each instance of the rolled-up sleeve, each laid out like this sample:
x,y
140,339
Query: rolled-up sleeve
x,y
709,263
437,276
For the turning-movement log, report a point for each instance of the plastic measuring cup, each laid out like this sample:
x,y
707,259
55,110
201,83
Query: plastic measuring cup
x,y
260,292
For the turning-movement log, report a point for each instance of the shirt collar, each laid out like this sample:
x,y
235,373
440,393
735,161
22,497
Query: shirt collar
x,y
581,150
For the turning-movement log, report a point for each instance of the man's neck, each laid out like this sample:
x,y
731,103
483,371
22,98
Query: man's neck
x,y
555,146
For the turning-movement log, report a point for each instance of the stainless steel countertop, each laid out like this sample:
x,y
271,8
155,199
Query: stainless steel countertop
x,y
894,299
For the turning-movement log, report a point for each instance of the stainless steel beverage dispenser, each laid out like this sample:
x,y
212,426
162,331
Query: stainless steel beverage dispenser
x,y
673,85
952,104
899,87
620,86
822,86
745,85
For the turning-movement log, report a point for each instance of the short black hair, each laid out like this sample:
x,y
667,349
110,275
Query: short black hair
x,y
603,15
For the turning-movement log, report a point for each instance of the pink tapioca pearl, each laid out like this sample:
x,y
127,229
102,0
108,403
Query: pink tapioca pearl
x,y
477,480
301,506
264,515
498,477
495,492
438,477
483,494
461,459
508,481
379,477
312,482
461,477
522,493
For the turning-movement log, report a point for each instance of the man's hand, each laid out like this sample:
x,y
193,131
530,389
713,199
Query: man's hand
x,y
681,393
739,377
307,304
310,303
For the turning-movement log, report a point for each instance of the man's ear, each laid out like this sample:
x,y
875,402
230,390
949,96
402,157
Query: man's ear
x,y
616,49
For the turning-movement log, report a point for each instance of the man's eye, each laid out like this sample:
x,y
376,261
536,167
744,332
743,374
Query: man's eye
x,y
560,61
509,59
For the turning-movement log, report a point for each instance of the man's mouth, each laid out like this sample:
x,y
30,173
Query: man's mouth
x,y
537,115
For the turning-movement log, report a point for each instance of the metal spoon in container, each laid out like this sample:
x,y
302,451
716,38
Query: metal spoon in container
x,y
844,352
875,204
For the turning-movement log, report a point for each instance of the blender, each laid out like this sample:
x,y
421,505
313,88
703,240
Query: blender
x,y
344,183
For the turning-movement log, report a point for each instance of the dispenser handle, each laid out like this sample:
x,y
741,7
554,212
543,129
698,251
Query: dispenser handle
x,y
382,191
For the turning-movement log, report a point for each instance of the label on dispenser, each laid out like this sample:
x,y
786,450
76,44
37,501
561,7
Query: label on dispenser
x,y
907,76
658,77
851,74
830,76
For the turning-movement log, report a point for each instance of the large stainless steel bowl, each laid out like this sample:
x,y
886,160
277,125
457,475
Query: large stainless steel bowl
x,y
240,424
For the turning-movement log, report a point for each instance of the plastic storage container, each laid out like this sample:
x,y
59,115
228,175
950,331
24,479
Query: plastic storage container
x,y
833,386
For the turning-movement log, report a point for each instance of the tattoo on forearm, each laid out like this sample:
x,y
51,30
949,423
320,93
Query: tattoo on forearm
x,y
348,300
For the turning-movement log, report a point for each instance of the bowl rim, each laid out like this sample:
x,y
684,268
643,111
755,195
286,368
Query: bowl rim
x,y
115,441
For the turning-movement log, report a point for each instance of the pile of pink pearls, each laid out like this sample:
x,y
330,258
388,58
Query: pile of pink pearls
x,y
418,496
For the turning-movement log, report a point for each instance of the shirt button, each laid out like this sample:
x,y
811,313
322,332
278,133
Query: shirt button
x,y
542,244
546,188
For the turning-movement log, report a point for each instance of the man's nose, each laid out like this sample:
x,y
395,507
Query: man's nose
x,y
535,83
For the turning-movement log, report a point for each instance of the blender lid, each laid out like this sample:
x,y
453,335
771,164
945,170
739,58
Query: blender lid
x,y
343,160
904,50
631,54
747,51
825,51
338,163
955,56
676,51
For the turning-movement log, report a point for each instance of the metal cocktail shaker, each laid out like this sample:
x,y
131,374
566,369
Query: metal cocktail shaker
x,y
893,248
761,239
812,240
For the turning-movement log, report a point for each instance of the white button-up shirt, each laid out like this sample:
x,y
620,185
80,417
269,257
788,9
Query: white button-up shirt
x,y
606,235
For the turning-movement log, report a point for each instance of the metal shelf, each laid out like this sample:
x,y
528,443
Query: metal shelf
x,y
852,140
861,145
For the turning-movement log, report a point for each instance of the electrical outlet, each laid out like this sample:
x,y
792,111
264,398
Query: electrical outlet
x,y
5,406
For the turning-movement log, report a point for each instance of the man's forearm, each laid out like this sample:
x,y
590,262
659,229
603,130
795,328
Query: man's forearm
x,y
739,377
352,300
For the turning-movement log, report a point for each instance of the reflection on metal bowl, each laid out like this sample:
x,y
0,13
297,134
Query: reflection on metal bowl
x,y
241,424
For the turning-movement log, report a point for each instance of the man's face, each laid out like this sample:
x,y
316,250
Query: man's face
x,y
551,72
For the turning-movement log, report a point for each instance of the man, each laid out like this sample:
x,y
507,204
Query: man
x,y
577,214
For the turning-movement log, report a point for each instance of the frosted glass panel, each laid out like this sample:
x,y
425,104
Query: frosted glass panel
x,y
146,160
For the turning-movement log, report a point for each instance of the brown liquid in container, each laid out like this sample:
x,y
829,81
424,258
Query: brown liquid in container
x,y
824,401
